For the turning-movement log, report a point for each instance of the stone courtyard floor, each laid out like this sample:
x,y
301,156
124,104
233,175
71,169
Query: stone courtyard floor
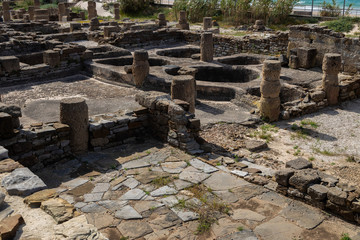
x,y
154,191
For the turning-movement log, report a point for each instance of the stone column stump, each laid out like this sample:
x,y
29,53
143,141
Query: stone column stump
x,y
74,112
161,20
6,11
183,88
206,47
183,24
92,9
330,81
140,67
270,90
51,58
31,12
117,11
207,23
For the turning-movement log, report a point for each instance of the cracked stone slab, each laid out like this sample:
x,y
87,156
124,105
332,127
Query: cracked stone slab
x,y
239,173
185,215
173,167
131,183
206,168
223,181
246,214
112,205
165,190
165,221
243,235
127,212
193,175
92,207
278,228
134,229
101,187
93,197
147,161
143,206
138,163
169,201
133,194
303,215
75,183
265,171
180,184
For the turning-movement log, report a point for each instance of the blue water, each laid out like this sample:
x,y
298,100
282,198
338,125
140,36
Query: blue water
x,y
355,3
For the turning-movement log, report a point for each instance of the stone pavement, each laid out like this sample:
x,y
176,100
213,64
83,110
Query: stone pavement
x,y
154,191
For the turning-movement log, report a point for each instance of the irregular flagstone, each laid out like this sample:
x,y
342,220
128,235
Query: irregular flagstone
x,y
9,165
206,168
169,201
93,207
239,173
265,171
101,187
147,161
127,212
134,229
303,215
193,175
148,176
68,198
249,191
165,221
246,214
223,168
131,183
93,197
22,182
242,235
165,190
77,228
278,228
180,184
185,215
9,226
224,227
35,199
5,212
138,163
173,167
78,191
79,205
143,206
224,181
133,194
275,199
112,205
158,234
111,233
75,183
102,220
226,196
59,209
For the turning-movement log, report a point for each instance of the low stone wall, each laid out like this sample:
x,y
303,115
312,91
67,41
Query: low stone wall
x,y
109,130
327,41
39,145
170,121
314,187
47,28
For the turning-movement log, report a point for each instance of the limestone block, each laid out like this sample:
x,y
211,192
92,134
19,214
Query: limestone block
x,y
270,108
307,57
294,62
6,125
10,64
270,89
51,58
183,88
282,176
140,67
75,27
206,47
108,30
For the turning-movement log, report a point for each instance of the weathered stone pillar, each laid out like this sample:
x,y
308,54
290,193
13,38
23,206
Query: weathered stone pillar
x,y
259,26
82,15
51,58
207,23
270,90
74,112
37,4
161,20
183,88
206,47
31,12
92,9
62,10
6,11
183,24
330,81
293,62
117,11
140,67
94,24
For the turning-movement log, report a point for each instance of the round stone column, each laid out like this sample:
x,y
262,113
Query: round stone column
x,y
183,88
140,67
206,47
330,81
74,112
207,23
270,90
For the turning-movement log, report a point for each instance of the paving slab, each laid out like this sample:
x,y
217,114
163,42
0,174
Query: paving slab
x,y
180,184
278,228
92,207
242,235
93,197
173,167
165,190
185,215
134,229
131,183
112,205
133,194
169,201
193,175
246,214
206,168
75,183
101,187
127,212
165,221
224,181
143,206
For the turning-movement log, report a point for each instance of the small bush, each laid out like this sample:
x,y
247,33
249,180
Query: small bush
x,y
133,6
344,24
330,9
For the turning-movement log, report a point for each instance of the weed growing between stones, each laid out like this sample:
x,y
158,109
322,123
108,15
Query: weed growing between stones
x,y
345,236
265,132
161,181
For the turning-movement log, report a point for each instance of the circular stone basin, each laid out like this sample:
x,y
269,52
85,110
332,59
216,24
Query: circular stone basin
x,y
123,61
179,52
224,74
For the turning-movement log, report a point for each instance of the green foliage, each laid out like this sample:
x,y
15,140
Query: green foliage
x,y
345,236
49,6
23,4
133,6
330,9
281,10
344,24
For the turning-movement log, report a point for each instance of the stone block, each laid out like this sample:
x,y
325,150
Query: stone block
x,y
307,57
298,164
9,64
6,125
318,192
304,178
51,58
109,29
282,176
9,226
75,27
337,196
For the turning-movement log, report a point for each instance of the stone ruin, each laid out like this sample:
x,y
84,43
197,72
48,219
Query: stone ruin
x,y
173,67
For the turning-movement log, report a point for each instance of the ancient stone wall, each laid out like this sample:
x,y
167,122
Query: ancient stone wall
x,y
314,187
327,41
39,145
